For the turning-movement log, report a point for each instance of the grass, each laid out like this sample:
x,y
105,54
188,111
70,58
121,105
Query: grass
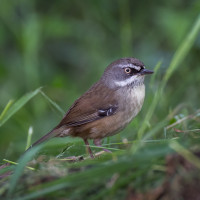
x,y
176,61
10,110
144,167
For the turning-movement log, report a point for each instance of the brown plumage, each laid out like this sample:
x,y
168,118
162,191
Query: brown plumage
x,y
107,107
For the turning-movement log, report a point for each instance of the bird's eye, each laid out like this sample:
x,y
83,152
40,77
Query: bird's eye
x,y
127,70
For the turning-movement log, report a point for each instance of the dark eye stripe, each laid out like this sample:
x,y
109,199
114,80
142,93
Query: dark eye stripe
x,y
131,71
134,71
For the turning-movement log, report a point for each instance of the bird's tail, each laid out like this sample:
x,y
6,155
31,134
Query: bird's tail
x,y
46,137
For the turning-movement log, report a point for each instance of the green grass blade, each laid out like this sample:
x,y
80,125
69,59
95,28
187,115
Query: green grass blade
x,y
17,105
185,153
179,56
156,70
182,51
30,133
44,191
14,163
108,148
55,105
20,167
149,115
6,109
153,105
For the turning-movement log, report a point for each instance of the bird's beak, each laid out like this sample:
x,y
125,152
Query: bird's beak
x,y
146,71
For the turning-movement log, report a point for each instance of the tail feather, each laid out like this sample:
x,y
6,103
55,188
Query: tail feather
x,y
46,137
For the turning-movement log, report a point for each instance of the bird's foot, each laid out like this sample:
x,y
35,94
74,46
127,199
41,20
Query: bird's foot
x,y
97,142
108,151
88,148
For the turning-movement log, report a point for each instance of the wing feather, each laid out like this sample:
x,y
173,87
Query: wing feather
x,y
90,106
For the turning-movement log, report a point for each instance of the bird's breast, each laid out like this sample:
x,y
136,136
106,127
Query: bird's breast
x,y
131,102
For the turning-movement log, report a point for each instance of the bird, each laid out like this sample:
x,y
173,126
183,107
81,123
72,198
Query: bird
x,y
107,107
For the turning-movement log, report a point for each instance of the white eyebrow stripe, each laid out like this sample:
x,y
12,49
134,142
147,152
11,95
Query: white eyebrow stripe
x,y
138,68
125,82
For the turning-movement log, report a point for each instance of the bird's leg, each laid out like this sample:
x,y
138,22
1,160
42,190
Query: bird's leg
x,y
88,148
97,142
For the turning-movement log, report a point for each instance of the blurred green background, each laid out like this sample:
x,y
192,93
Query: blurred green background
x,y
65,46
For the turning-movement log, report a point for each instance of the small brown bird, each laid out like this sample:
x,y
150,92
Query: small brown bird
x,y
107,107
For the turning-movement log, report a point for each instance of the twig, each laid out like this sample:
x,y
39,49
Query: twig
x,y
186,131
14,163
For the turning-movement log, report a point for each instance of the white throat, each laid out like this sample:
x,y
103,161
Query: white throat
x,y
133,80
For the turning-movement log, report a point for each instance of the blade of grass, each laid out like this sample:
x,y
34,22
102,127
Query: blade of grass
x,y
156,69
14,163
74,179
178,57
30,132
185,153
55,105
148,135
20,167
44,191
149,115
182,51
11,108
153,105
17,105
115,149
154,130
5,168
10,102
120,165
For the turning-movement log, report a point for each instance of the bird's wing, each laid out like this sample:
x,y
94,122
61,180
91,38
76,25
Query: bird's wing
x,y
93,105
